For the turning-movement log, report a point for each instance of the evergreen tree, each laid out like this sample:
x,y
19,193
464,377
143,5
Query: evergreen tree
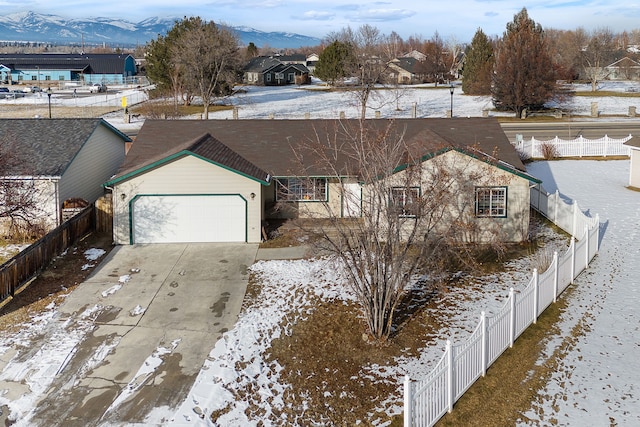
x,y
478,66
251,51
524,76
334,62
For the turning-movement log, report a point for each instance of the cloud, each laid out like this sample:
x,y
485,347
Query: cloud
x,y
382,15
314,15
491,14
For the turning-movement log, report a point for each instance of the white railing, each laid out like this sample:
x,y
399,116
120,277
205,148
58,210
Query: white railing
x,y
427,400
579,147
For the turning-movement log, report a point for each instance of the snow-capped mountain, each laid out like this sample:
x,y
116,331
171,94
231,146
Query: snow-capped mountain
x,y
35,27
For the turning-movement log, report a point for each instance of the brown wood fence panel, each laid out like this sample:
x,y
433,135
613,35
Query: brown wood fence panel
x,y
20,269
104,214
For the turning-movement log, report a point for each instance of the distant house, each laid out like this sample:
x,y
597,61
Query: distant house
x,y
66,159
634,168
623,69
42,68
219,180
406,70
271,71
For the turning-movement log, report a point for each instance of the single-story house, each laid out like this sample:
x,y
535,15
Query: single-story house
x,y
634,168
60,67
623,69
271,71
407,70
66,160
219,180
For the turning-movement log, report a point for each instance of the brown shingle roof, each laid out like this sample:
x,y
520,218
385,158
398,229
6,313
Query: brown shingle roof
x,y
268,144
204,146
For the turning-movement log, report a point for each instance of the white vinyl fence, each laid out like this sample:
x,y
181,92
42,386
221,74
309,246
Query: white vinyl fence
x,y
579,147
428,399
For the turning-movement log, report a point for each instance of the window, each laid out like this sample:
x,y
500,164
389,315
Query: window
x,y
405,201
297,189
292,78
268,77
491,202
34,78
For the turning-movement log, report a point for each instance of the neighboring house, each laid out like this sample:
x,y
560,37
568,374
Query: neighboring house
x,y
271,71
60,67
415,55
406,70
623,69
312,61
67,159
634,168
219,180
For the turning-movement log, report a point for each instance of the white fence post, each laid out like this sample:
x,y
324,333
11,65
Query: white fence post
x,y
575,217
597,233
556,274
536,301
512,317
450,391
485,338
573,258
408,402
606,145
533,147
586,234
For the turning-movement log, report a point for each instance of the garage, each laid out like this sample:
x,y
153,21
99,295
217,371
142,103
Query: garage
x,y
182,218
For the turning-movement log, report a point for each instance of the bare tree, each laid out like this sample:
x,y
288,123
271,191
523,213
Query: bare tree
x,y
207,56
400,214
454,50
596,55
371,57
20,195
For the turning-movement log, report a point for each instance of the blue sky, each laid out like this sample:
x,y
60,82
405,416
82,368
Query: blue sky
x,y
459,19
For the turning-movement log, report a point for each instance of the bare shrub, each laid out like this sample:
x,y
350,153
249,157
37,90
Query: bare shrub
x,y
157,109
542,259
549,151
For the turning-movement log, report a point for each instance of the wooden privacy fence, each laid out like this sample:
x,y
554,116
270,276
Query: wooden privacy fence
x,y
428,399
579,147
27,264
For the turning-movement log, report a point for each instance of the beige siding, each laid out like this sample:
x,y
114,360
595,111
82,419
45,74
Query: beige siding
x,y
634,170
465,174
187,175
96,162
305,209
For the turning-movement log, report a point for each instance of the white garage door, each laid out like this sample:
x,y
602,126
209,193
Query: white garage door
x,y
189,218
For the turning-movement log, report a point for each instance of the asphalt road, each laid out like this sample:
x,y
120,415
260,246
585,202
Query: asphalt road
x,y
572,129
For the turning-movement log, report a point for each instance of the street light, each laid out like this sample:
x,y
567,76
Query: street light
x,y
49,95
451,92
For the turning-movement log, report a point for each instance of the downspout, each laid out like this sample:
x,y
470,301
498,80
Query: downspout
x,y
114,217
56,193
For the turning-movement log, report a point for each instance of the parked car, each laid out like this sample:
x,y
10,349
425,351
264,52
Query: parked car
x,y
4,92
97,87
32,89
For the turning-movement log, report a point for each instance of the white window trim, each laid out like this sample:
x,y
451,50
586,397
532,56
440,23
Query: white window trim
x,y
495,206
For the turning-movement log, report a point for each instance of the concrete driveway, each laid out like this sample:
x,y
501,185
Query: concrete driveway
x,y
157,311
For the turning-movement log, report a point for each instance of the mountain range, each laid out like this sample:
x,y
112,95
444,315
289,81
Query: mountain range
x,y
42,28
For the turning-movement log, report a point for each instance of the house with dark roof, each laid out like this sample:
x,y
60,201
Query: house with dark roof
x,y
407,70
66,159
220,180
43,68
271,71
